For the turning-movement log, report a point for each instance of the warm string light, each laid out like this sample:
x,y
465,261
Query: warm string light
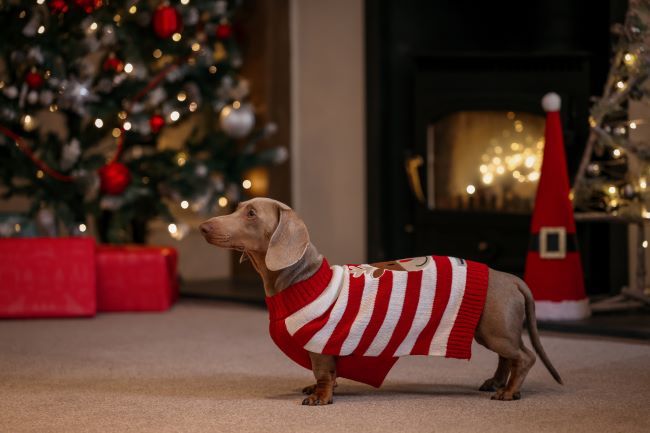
x,y
185,204
247,184
629,59
82,228
223,201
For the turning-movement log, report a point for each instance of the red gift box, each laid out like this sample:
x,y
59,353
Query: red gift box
x,y
136,278
47,277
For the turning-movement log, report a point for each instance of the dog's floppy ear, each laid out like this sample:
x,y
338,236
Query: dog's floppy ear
x,y
289,241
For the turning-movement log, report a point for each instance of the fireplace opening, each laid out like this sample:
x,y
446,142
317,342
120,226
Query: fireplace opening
x,y
484,161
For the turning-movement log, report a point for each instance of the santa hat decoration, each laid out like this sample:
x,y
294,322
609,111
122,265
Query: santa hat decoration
x,y
553,269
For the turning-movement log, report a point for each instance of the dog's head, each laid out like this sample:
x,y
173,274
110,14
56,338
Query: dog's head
x,y
261,225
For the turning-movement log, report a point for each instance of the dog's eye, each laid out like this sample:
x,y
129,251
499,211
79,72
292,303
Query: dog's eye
x,y
251,213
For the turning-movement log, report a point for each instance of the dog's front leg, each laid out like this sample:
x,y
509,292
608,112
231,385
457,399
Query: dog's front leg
x,y
324,368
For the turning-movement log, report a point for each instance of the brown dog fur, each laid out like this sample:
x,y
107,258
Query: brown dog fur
x,y
276,240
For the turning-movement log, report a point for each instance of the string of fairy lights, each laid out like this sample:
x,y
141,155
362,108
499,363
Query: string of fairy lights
x,y
514,157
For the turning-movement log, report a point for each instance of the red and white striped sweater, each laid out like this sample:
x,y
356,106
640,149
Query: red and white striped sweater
x,y
370,316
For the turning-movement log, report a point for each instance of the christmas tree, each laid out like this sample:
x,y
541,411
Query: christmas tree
x,y
615,168
90,91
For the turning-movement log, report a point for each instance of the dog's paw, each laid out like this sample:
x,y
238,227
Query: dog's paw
x,y
505,395
317,400
491,385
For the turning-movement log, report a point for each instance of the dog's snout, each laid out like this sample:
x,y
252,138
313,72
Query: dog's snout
x,y
205,228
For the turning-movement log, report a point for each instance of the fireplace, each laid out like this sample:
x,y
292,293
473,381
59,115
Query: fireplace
x,y
455,126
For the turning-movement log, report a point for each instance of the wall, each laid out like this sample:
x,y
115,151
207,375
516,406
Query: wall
x,y
328,125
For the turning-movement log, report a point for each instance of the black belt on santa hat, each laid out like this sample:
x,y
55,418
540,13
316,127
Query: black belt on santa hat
x,y
571,243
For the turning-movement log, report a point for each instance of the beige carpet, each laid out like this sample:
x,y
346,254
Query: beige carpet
x,y
211,367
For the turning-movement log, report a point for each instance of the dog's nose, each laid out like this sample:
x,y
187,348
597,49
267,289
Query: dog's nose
x,y
205,228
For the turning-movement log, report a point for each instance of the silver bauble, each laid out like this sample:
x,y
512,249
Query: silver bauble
x,y
593,169
32,97
628,191
10,92
237,122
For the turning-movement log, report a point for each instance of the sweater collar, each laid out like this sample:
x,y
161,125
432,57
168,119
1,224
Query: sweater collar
x,y
296,296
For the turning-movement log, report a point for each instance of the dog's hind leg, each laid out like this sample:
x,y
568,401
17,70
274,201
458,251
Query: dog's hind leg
x,y
500,377
519,368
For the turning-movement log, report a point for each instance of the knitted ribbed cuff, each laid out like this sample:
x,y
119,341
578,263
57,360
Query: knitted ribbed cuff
x,y
459,344
296,296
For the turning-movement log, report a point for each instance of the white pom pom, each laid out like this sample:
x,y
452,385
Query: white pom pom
x,y
551,102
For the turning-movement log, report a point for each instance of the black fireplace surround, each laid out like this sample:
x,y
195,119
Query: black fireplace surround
x,y
428,59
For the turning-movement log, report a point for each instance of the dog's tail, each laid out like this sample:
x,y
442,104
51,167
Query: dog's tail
x,y
531,322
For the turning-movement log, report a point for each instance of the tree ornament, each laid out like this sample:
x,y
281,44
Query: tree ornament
x,y
224,31
76,95
593,169
628,191
88,5
156,122
114,178
34,80
70,154
166,21
32,97
58,6
113,64
10,92
237,122
220,7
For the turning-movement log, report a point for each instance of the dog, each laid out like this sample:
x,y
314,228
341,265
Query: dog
x,y
276,241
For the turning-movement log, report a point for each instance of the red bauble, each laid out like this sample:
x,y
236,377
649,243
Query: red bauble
x,y
34,80
114,178
113,64
88,5
224,31
166,21
58,6
156,123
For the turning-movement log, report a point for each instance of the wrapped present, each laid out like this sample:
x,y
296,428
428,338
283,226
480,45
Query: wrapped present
x,y
47,277
136,278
